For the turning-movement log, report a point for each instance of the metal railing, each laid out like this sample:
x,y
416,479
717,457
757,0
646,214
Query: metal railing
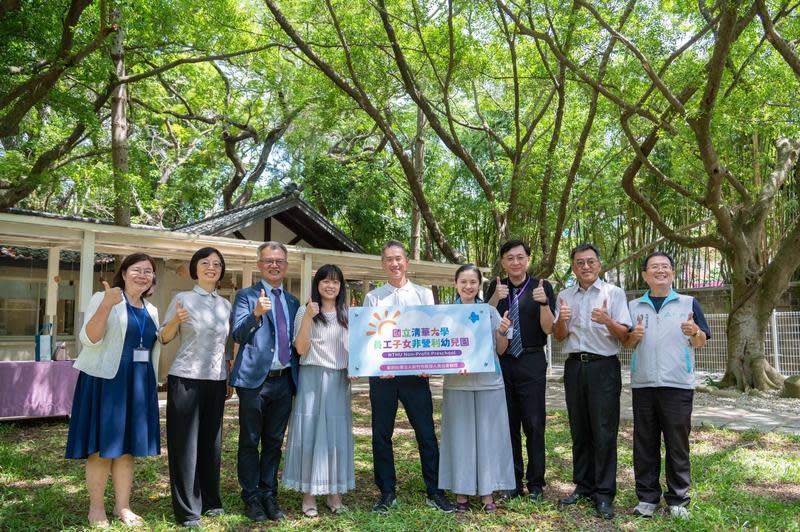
x,y
781,343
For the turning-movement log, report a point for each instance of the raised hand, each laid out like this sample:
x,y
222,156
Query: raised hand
x,y
505,324
564,310
312,308
638,332
181,314
500,290
689,327
539,294
600,315
112,296
263,305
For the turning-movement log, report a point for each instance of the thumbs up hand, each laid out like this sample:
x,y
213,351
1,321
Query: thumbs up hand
x,y
500,289
539,294
564,310
689,327
505,324
263,305
638,332
111,296
181,314
312,308
601,315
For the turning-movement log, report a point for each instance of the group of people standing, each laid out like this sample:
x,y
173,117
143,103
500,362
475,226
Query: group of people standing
x,y
290,370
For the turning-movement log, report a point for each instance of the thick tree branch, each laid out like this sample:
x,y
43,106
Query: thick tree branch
x,y
776,39
373,112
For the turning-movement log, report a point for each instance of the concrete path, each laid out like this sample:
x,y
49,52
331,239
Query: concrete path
x,y
720,415
707,411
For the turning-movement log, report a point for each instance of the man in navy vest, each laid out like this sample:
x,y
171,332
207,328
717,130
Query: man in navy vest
x,y
265,377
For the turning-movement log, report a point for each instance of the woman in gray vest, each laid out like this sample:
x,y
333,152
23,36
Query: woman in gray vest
x,y
475,454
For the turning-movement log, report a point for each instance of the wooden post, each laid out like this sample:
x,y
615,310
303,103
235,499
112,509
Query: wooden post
x,y
85,284
306,276
51,307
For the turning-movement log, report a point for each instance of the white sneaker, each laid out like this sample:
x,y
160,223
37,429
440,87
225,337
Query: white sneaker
x,y
679,512
645,509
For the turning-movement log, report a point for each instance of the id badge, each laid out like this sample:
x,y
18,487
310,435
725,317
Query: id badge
x,y
141,355
510,333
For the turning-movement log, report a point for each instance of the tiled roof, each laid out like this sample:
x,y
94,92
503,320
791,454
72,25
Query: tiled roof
x,y
288,208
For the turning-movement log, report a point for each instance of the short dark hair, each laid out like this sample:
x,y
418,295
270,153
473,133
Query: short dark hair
x,y
469,268
394,244
657,254
330,271
133,258
511,244
580,248
201,254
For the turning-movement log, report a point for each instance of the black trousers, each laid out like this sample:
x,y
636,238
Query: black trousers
x,y
415,394
657,411
194,444
525,379
263,417
592,390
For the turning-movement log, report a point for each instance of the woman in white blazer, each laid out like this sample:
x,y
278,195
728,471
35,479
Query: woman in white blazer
x,y
115,409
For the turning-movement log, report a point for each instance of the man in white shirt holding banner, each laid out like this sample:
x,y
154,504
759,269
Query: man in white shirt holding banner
x,y
412,390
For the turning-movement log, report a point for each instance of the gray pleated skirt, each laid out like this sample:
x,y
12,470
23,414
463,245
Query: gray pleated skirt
x,y
319,452
475,452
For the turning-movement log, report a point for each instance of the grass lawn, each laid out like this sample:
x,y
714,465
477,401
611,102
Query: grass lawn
x,y
740,481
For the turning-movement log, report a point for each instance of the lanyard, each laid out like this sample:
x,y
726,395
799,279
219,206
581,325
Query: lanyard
x,y
139,323
519,293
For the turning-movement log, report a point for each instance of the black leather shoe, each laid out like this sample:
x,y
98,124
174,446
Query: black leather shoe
x,y
440,502
274,512
386,501
605,510
535,494
255,511
511,494
573,498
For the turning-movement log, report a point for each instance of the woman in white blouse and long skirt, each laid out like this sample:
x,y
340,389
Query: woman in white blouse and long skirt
x,y
319,453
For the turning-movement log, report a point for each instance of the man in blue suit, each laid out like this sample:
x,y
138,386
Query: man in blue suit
x,y
265,377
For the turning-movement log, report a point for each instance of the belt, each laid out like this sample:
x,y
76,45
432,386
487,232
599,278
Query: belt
x,y
589,357
533,349
278,372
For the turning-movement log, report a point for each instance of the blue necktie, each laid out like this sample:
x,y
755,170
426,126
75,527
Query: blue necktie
x,y
283,332
516,339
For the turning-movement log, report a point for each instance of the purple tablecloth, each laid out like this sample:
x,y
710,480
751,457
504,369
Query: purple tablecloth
x,y
36,389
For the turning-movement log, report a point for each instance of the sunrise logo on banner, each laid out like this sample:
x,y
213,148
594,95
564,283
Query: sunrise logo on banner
x,y
412,340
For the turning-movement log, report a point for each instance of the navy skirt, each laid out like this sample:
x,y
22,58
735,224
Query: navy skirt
x,y
118,416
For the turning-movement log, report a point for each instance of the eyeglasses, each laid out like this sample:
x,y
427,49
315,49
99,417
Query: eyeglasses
x,y
273,262
580,263
209,264
515,258
659,267
140,273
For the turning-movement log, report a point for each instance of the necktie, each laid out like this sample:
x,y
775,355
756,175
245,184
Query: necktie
x,y
283,332
516,339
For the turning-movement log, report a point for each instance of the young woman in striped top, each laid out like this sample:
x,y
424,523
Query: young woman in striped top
x,y
319,453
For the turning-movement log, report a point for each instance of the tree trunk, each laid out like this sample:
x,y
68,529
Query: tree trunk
x,y
419,170
747,366
119,130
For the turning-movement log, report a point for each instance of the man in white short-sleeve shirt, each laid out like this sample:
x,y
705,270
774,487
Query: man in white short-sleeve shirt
x,y
591,322
413,391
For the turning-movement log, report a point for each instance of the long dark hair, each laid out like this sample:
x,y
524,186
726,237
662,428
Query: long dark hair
x,y
127,262
330,271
